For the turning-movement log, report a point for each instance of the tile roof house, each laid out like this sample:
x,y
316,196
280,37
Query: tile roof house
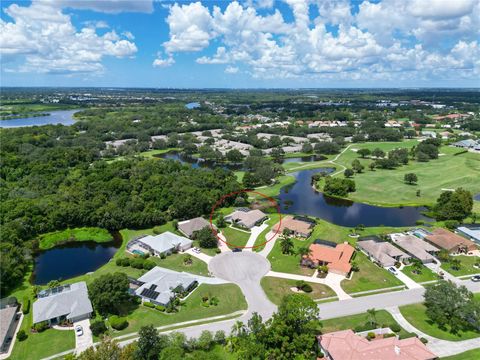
x,y
416,247
382,252
246,218
160,285
68,302
188,227
298,227
447,240
157,245
336,258
346,345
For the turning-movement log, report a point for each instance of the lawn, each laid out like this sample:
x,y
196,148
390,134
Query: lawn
x,y
370,277
425,274
175,262
235,237
415,315
288,263
463,171
277,288
272,220
49,240
274,190
467,355
383,318
466,267
230,299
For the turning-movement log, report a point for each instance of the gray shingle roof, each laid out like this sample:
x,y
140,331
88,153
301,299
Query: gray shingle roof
x,y
188,227
7,315
72,302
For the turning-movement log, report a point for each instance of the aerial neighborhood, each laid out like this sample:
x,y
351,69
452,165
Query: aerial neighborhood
x,y
240,180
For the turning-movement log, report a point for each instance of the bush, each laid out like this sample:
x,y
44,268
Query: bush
x,y
407,335
41,326
389,335
148,304
118,323
137,263
214,301
371,335
22,335
160,308
26,305
395,328
118,262
98,327
218,251
125,262
307,288
423,340
361,328
451,224
148,265
163,256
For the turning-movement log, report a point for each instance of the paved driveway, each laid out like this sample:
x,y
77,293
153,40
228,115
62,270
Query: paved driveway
x,y
411,284
83,342
246,270
255,231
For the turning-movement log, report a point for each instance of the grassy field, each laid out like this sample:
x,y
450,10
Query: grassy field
x,y
425,274
415,315
463,170
235,237
466,267
467,355
349,322
48,241
274,190
230,299
370,277
277,288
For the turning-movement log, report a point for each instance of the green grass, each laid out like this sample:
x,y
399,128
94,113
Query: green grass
x,y
235,237
48,241
272,220
463,170
425,274
175,262
230,298
274,190
152,153
466,267
415,315
467,355
277,288
370,277
383,317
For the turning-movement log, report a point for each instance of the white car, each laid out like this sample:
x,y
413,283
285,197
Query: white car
x,y
392,270
196,250
78,330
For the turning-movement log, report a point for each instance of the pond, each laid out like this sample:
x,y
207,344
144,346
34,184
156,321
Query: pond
x,y
192,105
64,117
300,198
476,197
73,259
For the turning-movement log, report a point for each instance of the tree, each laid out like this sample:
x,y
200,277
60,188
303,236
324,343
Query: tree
x,y
53,284
338,187
149,344
286,244
206,238
417,266
378,153
304,251
372,316
455,263
357,166
234,156
187,260
410,178
205,340
307,148
372,165
443,255
277,154
109,293
107,349
453,205
326,148
364,153
348,173
221,223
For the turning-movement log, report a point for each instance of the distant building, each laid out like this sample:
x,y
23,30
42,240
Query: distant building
x,y
64,303
382,252
246,218
471,231
156,245
188,227
343,345
416,247
449,241
466,144
337,258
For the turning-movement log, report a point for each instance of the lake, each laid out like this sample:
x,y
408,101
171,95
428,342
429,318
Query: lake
x,y
73,259
64,117
192,105
300,198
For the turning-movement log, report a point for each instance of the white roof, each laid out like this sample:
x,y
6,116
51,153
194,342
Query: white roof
x,y
473,232
165,241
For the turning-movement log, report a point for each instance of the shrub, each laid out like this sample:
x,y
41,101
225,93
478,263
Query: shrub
x,y
214,301
41,326
125,262
26,305
371,335
118,323
395,328
361,328
160,308
163,256
451,224
419,222
307,288
423,340
148,304
98,327
137,263
22,335
389,335
407,335
148,265
118,262
218,251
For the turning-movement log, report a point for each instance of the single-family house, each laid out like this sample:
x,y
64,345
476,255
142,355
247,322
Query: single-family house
x,y
345,344
450,241
9,320
246,218
296,226
429,134
337,258
156,245
188,227
64,303
382,252
416,247
160,286
471,231
466,144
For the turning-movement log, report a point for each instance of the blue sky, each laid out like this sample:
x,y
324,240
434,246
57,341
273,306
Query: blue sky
x,y
245,44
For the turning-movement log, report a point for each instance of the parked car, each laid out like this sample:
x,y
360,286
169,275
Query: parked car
x,y
236,250
476,278
196,250
78,330
392,270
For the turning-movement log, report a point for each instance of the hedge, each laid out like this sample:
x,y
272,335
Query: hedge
x,y
149,304
98,327
26,305
118,323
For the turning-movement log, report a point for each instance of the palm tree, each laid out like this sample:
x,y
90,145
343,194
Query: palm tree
x,y
286,244
187,260
304,251
372,316
239,329
455,264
